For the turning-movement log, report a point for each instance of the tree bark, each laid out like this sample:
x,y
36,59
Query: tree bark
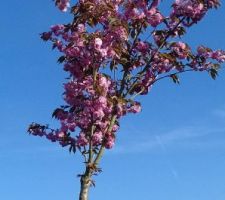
x,y
85,179
85,182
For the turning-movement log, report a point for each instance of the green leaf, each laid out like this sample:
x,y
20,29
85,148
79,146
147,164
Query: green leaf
x,y
56,111
175,78
112,65
72,149
61,59
213,73
133,33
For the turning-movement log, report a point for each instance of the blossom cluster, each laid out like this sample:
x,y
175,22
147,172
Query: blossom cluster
x,y
63,5
113,51
193,9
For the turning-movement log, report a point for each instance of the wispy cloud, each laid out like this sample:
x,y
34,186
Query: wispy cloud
x,y
164,140
181,138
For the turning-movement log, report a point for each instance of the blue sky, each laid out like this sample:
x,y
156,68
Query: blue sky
x,y
173,150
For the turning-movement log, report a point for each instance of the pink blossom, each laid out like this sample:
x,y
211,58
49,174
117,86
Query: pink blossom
x,y
213,3
98,114
143,47
81,28
46,36
121,33
52,137
61,134
98,43
190,8
115,128
57,29
203,51
104,83
218,55
82,140
102,101
181,49
97,138
136,108
120,110
110,141
103,52
63,5
154,17
113,51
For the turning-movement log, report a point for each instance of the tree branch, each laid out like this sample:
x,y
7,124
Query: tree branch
x,y
102,148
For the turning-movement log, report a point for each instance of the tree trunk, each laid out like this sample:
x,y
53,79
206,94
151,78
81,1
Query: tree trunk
x,y
85,185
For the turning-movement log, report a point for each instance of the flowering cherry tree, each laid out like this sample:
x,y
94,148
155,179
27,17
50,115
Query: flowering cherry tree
x,y
113,51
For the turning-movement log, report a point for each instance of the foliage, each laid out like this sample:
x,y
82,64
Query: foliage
x,y
113,51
